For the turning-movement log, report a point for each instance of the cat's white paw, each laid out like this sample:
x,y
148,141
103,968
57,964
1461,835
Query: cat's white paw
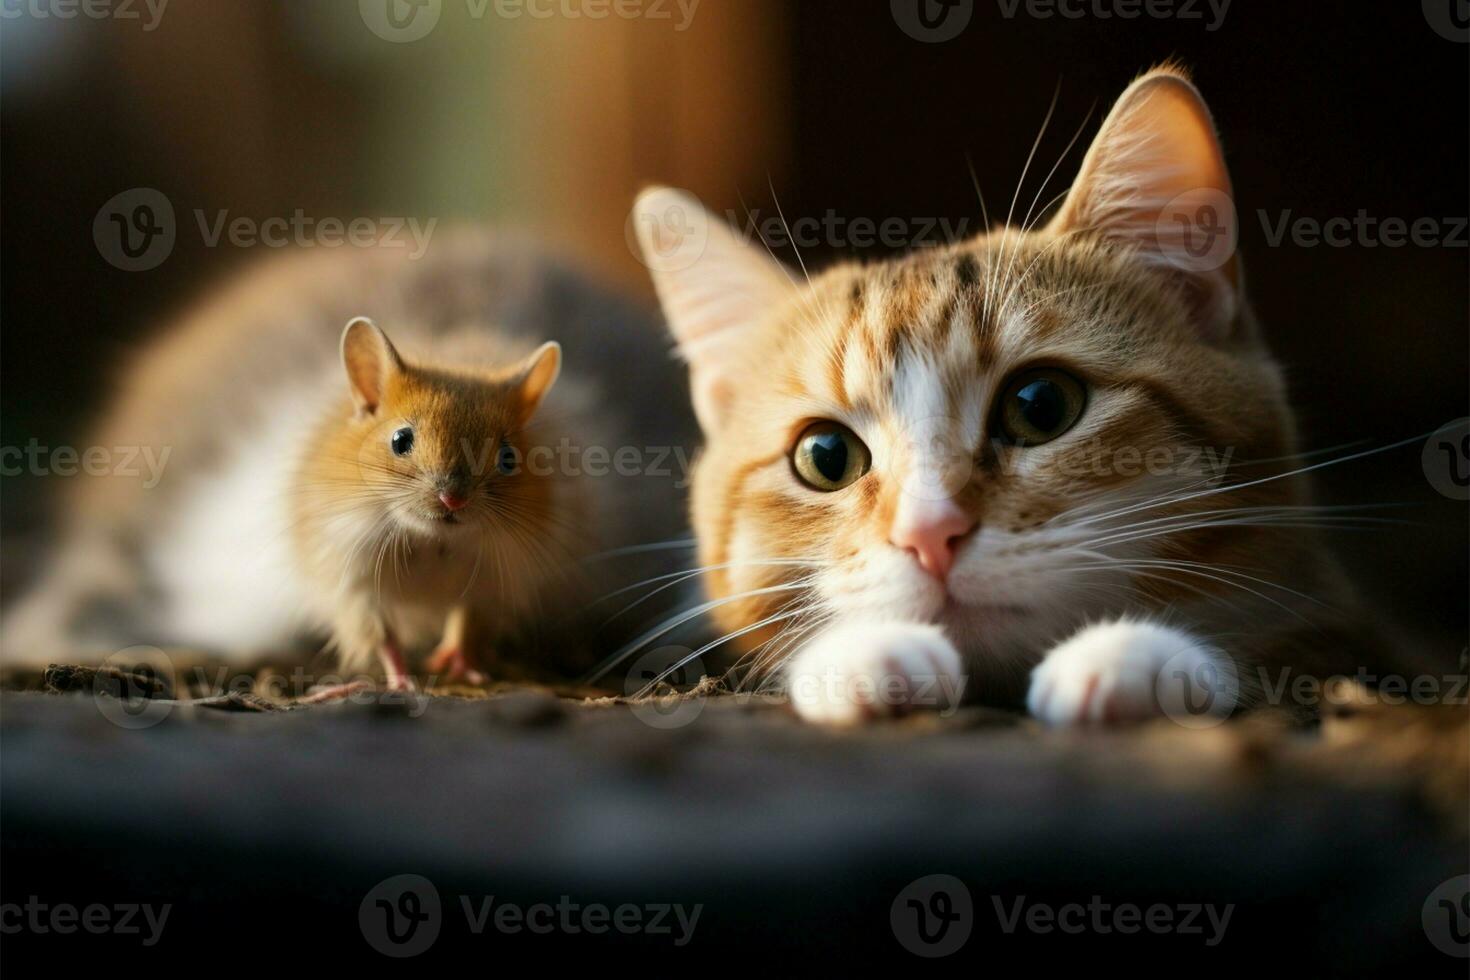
x,y
871,670
1129,671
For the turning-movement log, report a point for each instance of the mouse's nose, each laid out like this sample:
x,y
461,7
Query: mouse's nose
x,y
931,530
452,500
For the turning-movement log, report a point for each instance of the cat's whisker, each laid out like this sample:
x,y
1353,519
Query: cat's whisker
x,y
696,654
1282,476
674,579
681,618
998,281
641,549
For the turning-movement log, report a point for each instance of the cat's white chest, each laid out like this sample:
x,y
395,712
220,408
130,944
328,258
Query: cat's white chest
x,y
224,556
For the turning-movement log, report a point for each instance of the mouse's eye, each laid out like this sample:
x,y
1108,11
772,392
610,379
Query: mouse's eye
x,y
402,441
828,456
1039,405
505,462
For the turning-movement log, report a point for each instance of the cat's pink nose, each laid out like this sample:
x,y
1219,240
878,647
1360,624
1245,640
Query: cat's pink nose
x,y
931,530
452,501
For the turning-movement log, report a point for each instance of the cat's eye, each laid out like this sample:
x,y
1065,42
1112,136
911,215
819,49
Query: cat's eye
x,y
828,456
505,461
1038,405
402,441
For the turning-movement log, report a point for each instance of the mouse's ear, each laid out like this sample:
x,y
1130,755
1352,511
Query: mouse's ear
x,y
370,360
537,374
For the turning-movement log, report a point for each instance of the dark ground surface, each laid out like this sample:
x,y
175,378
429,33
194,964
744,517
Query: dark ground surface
x,y
265,831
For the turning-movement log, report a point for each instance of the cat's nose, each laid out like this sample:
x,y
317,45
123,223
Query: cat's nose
x,y
931,530
452,500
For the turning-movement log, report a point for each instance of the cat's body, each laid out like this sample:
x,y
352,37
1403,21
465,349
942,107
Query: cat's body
x,y
277,520
1049,466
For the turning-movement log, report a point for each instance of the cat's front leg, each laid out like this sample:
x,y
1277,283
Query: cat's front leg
x,y
1131,670
867,670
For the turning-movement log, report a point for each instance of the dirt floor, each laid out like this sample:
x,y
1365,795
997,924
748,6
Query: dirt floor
x,y
263,821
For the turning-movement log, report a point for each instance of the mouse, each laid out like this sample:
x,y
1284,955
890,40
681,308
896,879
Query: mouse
x,y
414,511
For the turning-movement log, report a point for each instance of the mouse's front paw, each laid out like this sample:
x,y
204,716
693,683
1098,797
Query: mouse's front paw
x,y
1130,671
872,670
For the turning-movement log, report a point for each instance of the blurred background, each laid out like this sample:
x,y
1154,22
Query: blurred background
x,y
550,114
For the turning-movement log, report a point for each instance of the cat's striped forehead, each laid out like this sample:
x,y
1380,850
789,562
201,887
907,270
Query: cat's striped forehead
x,y
922,334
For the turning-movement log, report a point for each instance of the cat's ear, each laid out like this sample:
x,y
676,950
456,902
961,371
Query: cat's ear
x,y
536,376
713,286
1155,178
370,360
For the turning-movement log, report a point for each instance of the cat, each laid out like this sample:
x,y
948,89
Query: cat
x,y
381,494
1051,466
